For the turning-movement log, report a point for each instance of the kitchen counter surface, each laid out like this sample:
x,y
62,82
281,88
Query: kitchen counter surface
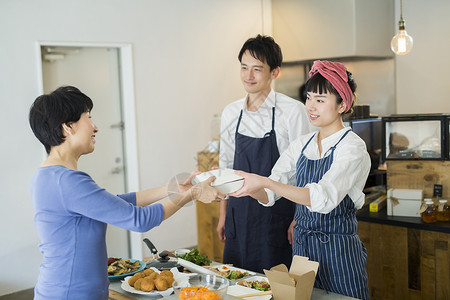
x,y
381,217
317,294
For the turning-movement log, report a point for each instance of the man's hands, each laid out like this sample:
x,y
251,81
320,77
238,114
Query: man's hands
x,y
221,228
291,232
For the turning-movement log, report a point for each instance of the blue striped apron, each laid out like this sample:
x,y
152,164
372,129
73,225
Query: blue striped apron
x,y
330,239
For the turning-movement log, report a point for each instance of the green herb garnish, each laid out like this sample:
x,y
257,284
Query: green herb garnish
x,y
195,257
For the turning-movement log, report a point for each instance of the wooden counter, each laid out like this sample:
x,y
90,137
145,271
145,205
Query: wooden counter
x,y
408,259
405,262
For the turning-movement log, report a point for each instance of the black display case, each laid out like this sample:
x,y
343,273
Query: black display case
x,y
415,137
370,131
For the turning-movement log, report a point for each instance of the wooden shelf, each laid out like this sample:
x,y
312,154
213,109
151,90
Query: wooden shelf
x,y
208,214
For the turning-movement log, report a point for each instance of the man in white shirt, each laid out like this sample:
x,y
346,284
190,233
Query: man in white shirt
x,y
255,130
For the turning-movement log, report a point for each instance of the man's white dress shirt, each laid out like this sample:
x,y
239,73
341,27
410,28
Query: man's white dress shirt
x,y
291,121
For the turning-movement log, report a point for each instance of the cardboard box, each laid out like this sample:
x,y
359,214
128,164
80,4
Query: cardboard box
x,y
404,202
296,283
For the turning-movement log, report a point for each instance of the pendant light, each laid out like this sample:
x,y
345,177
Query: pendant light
x,y
402,42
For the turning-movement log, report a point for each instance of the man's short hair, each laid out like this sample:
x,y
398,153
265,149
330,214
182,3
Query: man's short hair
x,y
264,49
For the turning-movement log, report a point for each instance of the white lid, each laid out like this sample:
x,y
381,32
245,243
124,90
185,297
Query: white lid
x,y
407,194
442,201
427,199
429,202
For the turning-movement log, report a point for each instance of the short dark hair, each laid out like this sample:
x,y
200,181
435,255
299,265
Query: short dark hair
x,y
48,112
319,84
264,49
302,93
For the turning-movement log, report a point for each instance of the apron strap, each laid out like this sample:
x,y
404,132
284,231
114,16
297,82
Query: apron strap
x,y
343,136
273,118
273,121
239,122
306,145
335,145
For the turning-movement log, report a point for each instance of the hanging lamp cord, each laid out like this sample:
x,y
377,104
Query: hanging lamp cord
x,y
401,9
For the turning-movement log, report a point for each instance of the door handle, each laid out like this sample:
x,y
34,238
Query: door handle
x,y
116,170
120,125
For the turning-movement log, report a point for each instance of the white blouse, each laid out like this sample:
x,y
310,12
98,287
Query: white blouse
x,y
291,122
347,174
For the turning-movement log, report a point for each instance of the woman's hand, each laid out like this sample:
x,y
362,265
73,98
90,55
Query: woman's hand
x,y
252,184
205,193
187,184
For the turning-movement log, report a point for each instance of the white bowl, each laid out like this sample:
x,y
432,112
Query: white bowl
x,y
230,187
226,181
181,252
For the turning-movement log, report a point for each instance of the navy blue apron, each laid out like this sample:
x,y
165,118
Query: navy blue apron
x,y
256,236
330,239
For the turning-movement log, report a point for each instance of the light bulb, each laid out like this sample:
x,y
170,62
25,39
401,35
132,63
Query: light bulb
x,y
402,42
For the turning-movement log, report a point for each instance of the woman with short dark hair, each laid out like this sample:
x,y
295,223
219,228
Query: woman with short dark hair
x,y
72,211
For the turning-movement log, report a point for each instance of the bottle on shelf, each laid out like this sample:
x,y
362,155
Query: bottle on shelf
x,y
443,211
430,213
214,144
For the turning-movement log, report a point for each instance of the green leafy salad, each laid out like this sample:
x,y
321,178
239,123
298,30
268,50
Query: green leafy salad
x,y
195,257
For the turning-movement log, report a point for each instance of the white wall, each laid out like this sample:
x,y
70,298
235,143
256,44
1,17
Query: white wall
x,y
185,68
422,75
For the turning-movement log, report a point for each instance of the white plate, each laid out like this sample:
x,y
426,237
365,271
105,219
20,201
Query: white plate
x,y
126,287
227,267
256,278
253,278
194,268
238,290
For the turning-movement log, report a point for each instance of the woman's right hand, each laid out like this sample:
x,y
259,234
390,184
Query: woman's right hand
x,y
205,193
252,184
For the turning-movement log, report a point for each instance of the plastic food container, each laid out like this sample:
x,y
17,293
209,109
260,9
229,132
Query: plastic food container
x,y
202,286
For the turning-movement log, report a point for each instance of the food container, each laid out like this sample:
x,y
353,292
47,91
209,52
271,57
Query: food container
x,y
297,282
415,137
202,286
226,180
404,202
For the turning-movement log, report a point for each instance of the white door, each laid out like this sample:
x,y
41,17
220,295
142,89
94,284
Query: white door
x,y
95,71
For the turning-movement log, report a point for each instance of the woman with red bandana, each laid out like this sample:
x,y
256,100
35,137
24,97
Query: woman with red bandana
x,y
324,174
